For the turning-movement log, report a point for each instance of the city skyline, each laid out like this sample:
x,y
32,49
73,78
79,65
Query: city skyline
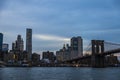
x,y
55,22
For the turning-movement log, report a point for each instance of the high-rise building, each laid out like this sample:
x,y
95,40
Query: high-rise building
x,y
73,51
76,47
1,41
13,46
19,44
4,55
48,55
35,59
5,47
19,41
29,42
64,53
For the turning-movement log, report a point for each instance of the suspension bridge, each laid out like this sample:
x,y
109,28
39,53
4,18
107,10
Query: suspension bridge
x,y
96,52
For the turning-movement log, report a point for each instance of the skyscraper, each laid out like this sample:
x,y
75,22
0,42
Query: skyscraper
x,y
19,41
29,42
19,44
1,41
76,47
48,55
5,47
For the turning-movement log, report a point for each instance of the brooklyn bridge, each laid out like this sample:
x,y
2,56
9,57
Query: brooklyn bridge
x,y
96,52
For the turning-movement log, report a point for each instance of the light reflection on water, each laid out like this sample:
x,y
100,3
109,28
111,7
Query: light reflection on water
x,y
59,73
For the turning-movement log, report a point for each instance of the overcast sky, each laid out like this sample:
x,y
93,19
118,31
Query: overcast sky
x,y
54,22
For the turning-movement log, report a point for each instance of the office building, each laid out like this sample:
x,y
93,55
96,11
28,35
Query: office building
x,y
48,55
5,47
20,42
18,45
13,46
35,59
73,51
1,41
64,53
29,43
111,60
76,47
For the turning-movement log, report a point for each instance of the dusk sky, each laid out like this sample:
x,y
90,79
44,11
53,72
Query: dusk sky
x,y
54,22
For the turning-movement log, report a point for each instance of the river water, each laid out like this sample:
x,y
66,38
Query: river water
x,y
59,73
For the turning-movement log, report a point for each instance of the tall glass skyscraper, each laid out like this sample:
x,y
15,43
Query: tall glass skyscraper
x,y
1,41
29,42
77,47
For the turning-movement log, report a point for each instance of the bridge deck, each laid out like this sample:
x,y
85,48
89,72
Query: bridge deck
x,y
99,54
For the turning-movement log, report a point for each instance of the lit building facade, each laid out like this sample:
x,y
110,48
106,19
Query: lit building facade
x,y
29,43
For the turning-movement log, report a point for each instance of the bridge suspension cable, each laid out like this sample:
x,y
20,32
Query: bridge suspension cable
x,y
87,50
111,46
111,43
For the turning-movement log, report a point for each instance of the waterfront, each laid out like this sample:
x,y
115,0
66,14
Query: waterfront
x,y
59,73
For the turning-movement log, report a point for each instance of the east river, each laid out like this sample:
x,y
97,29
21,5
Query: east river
x,y
59,73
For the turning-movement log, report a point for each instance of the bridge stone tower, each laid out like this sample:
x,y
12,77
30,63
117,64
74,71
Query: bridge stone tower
x,y
97,48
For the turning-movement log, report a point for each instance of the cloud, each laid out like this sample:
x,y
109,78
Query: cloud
x,y
44,42
90,19
50,37
2,4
